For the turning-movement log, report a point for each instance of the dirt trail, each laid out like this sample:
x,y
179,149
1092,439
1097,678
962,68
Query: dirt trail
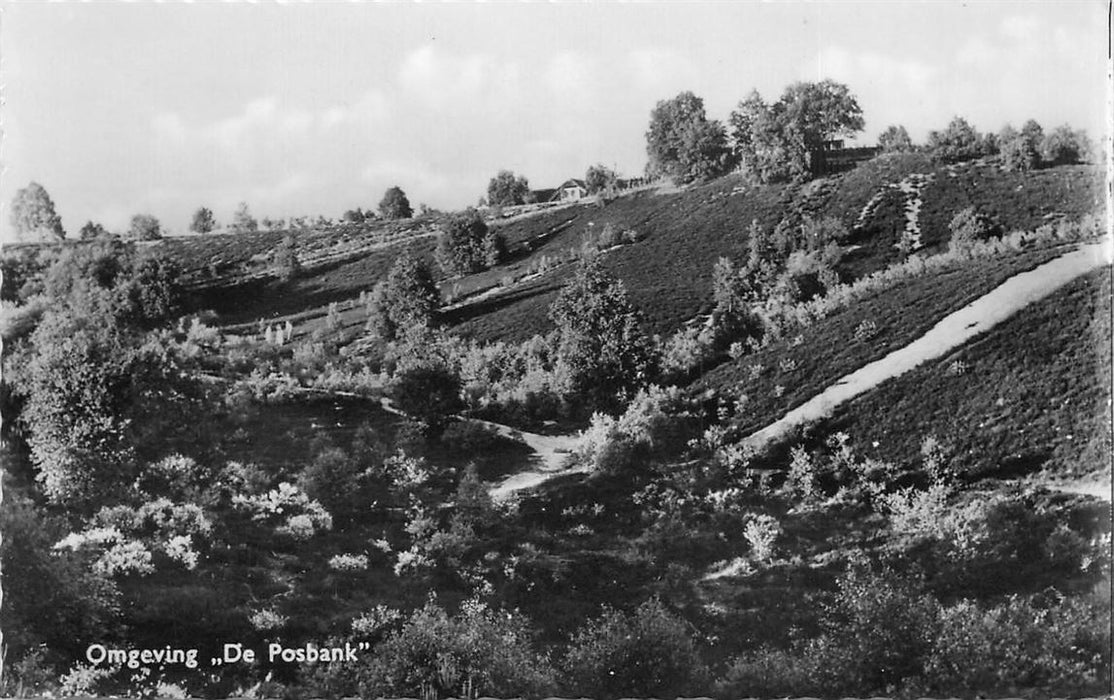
x,y
550,454
548,461
952,331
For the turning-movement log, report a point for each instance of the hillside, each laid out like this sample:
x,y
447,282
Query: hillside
x,y
667,272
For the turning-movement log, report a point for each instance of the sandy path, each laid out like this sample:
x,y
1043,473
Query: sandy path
x,y
550,455
952,331
547,462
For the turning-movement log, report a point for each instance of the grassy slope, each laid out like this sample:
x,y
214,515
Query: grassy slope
x,y
1035,393
668,274
805,365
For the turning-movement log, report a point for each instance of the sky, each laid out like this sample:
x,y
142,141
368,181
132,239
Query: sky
x,y
308,109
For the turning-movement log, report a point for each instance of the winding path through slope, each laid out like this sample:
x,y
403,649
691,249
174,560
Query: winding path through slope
x,y
952,331
550,453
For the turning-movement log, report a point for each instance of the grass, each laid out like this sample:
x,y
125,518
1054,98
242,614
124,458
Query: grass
x,y
1020,201
668,275
1033,395
829,349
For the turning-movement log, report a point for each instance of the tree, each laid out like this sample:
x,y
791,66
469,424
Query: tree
x,y
407,297
820,112
395,205
467,245
428,392
89,389
788,138
647,653
600,178
479,652
970,226
242,220
33,215
285,259
602,351
895,139
683,145
203,221
92,230
958,142
1064,145
144,227
507,189
767,151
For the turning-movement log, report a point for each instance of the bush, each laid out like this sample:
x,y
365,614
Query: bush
x,y
479,652
971,226
647,653
431,394
466,245
1059,648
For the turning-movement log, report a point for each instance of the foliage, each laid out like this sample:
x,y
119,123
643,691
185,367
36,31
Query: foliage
x,y
467,245
647,653
1021,643
895,139
125,538
91,231
33,215
288,509
1020,152
683,144
395,205
599,178
203,220
1064,145
959,142
285,259
144,227
50,597
478,652
243,221
507,189
92,393
602,349
407,297
970,226
786,140
430,393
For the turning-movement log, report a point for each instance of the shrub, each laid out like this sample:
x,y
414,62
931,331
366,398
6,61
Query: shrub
x,y
760,533
647,653
429,393
287,266
479,652
970,226
467,245
1060,648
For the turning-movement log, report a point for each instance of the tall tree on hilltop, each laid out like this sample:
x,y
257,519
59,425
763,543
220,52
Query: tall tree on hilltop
x,y
243,221
600,178
92,230
395,205
603,352
787,139
144,227
507,189
33,215
203,221
895,139
683,144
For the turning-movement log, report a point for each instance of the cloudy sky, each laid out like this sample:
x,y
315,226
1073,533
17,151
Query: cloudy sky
x,y
314,109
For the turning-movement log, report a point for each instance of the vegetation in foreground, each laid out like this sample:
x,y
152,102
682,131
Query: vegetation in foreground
x,y
172,483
